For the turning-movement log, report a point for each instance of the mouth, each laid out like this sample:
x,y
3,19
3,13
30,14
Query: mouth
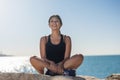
x,y
54,25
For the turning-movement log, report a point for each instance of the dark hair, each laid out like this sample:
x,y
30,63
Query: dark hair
x,y
57,16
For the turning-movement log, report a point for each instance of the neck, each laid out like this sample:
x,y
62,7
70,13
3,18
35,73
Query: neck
x,y
55,34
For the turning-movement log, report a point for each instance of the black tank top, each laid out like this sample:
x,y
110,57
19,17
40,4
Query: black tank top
x,y
55,52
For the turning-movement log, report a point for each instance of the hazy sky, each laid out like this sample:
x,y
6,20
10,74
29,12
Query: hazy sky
x,y
94,25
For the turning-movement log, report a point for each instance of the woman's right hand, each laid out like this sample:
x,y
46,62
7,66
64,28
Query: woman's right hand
x,y
56,68
53,67
45,62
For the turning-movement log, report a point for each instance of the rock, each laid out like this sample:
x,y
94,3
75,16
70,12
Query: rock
x,y
21,76
60,78
29,76
90,78
113,77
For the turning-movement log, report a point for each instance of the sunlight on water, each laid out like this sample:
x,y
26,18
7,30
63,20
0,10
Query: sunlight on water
x,y
16,64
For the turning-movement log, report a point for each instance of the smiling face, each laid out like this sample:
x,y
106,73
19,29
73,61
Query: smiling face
x,y
55,22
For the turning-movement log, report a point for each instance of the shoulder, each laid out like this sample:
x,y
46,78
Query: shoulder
x,y
66,38
43,38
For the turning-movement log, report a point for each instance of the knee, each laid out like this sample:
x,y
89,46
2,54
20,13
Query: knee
x,y
32,59
80,57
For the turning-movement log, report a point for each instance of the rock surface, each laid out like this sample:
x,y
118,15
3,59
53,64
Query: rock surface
x,y
27,76
113,77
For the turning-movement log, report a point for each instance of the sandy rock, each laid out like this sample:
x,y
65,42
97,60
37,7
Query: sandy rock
x,y
22,76
113,77
60,78
90,78
27,76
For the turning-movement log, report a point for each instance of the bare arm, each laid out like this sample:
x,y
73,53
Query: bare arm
x,y
68,49
51,65
67,54
43,42
42,47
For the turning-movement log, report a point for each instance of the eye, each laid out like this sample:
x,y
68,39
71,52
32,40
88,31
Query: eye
x,y
56,21
51,21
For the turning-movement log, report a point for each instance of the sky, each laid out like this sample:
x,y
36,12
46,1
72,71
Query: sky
x,y
93,25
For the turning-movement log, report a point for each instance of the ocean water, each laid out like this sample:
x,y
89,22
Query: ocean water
x,y
98,66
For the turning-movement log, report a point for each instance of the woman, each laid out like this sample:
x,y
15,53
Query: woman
x,y
55,51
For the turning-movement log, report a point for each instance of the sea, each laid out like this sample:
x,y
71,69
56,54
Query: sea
x,y
98,66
